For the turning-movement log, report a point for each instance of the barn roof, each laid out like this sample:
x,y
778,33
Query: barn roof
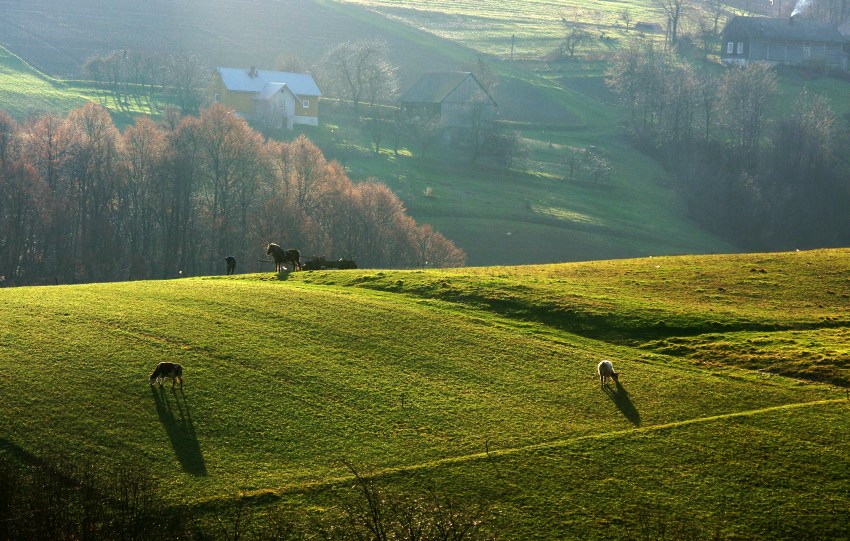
x,y
786,29
255,80
436,86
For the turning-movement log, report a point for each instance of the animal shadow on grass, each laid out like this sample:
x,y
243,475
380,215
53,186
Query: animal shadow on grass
x,y
175,416
621,398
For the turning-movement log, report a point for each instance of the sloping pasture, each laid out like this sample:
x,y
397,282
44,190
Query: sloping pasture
x,y
479,382
535,25
24,90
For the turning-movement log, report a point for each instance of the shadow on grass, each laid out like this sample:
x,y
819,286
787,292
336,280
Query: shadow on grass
x,y
18,453
175,416
284,275
620,397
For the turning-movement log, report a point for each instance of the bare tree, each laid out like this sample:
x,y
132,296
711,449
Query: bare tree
x,y
573,37
744,93
290,62
672,11
716,9
185,81
358,71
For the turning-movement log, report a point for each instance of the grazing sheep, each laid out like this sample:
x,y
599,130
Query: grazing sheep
x,y
165,370
606,370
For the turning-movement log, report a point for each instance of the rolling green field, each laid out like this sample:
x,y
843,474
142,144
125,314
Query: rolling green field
x,y
24,90
488,25
730,418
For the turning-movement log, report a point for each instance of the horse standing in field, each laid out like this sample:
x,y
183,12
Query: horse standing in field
x,y
282,256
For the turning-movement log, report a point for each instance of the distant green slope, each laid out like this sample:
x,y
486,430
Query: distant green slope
x,y
23,90
479,380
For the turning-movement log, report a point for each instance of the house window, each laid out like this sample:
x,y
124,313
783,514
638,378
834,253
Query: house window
x,y
305,104
730,48
740,47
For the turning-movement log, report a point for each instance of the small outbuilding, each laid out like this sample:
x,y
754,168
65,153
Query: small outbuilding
x,y
793,41
276,99
452,99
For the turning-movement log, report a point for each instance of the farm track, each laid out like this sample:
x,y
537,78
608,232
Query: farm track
x,y
550,445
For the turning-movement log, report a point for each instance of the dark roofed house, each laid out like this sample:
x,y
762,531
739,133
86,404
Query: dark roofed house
x,y
783,41
454,99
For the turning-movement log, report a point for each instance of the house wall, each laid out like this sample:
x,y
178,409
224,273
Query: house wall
x,y
797,52
313,106
241,102
277,112
782,52
467,105
420,111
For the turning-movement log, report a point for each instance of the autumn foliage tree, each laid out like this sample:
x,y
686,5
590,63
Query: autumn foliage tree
x,y
80,201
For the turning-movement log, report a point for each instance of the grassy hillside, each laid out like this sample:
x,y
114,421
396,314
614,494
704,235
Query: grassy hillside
x,y
477,381
535,25
23,90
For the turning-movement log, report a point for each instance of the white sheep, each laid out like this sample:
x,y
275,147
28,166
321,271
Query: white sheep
x,y
606,370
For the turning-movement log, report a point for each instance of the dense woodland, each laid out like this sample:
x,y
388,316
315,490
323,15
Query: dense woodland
x,y
80,201
763,180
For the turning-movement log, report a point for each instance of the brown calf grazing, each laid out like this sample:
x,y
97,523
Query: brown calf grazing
x,y
166,370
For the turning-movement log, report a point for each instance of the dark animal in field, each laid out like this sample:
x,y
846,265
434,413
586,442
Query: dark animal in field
x,y
165,370
231,264
606,370
282,256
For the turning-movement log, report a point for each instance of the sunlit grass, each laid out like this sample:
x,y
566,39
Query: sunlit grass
x,y
24,90
479,381
534,27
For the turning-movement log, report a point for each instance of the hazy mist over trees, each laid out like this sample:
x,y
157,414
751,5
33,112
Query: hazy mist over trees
x,y
80,201
760,181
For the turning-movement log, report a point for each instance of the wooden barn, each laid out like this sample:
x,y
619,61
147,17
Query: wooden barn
x,y
276,99
783,41
453,99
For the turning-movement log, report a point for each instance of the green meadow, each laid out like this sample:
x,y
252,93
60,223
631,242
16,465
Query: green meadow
x,y
730,418
535,25
24,90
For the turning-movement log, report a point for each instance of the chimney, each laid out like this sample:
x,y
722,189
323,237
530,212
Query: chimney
x,y
791,19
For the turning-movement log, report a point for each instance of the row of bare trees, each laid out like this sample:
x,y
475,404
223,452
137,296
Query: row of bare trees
x,y
761,179
80,201
150,80
674,103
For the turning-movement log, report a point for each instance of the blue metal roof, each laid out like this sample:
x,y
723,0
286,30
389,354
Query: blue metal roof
x,y
254,80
